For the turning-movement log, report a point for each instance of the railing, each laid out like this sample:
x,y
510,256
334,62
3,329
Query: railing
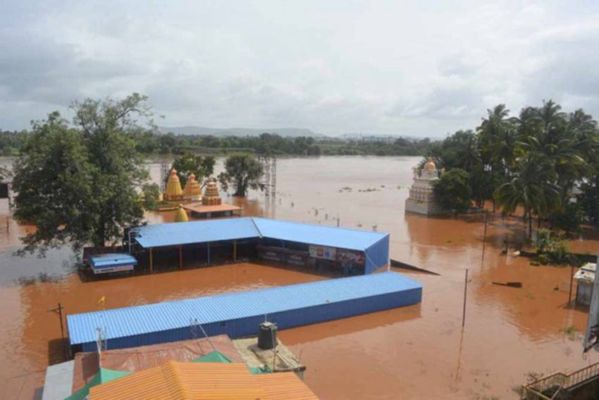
x,y
538,388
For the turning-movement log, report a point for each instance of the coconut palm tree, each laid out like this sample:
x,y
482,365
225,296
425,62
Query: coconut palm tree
x,y
531,188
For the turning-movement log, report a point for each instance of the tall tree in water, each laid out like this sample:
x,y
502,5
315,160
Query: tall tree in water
x,y
79,184
190,163
531,188
242,171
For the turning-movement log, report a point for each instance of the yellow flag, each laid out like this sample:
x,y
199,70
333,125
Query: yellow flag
x,y
102,300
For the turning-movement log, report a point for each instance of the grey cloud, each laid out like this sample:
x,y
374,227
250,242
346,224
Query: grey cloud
x,y
388,68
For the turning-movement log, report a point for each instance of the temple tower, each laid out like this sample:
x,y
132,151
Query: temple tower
x,y
173,190
422,197
211,195
192,190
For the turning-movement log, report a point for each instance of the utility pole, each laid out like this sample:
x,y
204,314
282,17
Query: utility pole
x,y
571,284
482,259
59,310
465,294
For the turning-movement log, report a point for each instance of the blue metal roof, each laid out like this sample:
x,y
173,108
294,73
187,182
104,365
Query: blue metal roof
x,y
179,233
137,320
111,260
322,235
243,228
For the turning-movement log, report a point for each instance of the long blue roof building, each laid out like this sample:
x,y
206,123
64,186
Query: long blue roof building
x,y
239,314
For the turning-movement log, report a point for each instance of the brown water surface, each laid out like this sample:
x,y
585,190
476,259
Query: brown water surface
x,y
417,352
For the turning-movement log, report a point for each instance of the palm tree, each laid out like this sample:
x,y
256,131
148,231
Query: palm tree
x,y
497,137
531,188
497,141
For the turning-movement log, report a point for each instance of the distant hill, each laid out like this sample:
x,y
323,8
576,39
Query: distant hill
x,y
201,130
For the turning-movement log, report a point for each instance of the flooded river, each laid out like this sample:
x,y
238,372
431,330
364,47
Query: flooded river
x,y
417,352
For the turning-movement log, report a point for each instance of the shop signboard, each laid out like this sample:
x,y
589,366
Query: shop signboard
x,y
116,268
323,252
296,259
271,255
347,257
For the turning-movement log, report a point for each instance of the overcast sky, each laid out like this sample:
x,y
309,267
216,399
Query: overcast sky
x,y
405,68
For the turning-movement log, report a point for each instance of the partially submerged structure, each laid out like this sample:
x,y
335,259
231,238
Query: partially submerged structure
x,y
173,191
239,314
348,251
422,197
112,262
585,277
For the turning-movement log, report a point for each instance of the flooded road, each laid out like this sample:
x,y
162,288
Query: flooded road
x,y
417,352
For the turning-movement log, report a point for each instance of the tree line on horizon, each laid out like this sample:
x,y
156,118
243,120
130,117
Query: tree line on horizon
x,y
149,142
543,161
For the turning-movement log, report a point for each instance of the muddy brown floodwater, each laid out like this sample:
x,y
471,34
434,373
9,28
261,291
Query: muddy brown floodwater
x,y
416,352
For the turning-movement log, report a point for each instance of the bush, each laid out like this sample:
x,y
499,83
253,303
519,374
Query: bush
x,y
551,249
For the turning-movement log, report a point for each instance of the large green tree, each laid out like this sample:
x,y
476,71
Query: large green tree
x,y
190,163
531,188
452,190
79,183
242,171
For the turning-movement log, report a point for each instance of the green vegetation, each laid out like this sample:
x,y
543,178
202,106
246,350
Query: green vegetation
x,y
242,171
151,196
544,162
78,182
551,248
452,190
189,163
148,143
4,173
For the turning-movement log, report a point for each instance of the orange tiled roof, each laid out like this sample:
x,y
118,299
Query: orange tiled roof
x,y
284,386
202,381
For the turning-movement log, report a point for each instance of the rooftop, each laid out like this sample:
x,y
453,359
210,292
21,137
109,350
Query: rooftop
x,y
138,320
203,381
172,234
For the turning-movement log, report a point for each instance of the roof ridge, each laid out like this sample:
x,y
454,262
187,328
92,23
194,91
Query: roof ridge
x,y
256,226
172,374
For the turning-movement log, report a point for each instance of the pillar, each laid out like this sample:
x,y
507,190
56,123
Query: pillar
x,y
235,250
180,257
151,261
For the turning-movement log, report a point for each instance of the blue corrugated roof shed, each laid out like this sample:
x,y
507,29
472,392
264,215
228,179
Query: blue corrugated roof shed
x,y
152,318
242,228
179,233
322,235
111,260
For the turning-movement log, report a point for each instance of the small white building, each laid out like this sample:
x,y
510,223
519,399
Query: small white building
x,y
422,197
585,277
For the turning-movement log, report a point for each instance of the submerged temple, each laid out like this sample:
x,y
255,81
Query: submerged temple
x,y
181,215
173,190
422,198
211,195
192,190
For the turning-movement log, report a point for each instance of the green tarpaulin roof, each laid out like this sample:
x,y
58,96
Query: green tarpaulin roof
x,y
213,357
218,357
104,375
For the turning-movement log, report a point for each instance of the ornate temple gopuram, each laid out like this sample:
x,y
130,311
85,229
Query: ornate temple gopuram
x,y
422,199
173,190
211,205
192,191
211,196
